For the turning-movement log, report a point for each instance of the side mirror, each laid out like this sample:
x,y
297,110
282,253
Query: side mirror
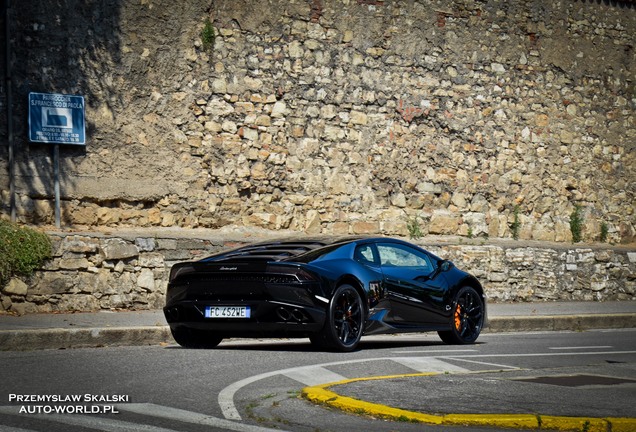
x,y
445,265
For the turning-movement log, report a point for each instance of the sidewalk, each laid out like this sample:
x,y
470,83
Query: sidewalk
x,y
108,328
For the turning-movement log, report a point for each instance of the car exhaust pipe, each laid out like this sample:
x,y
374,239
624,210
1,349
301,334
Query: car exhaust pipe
x,y
173,314
297,315
283,314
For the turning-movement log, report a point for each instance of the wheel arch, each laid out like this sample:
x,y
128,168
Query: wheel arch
x,y
458,281
474,283
468,281
349,279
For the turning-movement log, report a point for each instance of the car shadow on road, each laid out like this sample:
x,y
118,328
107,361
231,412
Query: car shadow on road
x,y
303,345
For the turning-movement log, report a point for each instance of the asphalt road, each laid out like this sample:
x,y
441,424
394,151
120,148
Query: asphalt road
x,y
256,385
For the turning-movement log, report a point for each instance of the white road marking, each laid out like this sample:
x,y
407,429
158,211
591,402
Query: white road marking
x,y
147,409
314,376
485,363
98,423
190,417
226,396
581,347
13,429
428,364
552,354
436,351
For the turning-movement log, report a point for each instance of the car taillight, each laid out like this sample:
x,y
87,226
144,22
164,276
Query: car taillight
x,y
296,271
305,276
179,270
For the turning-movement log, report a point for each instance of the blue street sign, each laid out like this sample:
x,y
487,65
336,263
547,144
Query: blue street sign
x,y
56,119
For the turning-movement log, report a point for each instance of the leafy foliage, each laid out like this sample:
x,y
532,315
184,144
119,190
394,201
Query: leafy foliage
x,y
604,232
414,228
208,35
515,226
576,224
22,250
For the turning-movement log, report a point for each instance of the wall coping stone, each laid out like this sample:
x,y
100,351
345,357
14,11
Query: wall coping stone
x,y
245,234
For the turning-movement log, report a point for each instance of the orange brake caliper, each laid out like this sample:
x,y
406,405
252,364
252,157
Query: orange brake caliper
x,y
458,318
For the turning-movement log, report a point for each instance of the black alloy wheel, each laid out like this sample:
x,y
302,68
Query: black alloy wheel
x,y
345,321
467,319
194,338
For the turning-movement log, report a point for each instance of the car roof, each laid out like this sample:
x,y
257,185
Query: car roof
x,y
284,249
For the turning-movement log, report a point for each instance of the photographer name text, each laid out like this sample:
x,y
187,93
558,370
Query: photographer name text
x,y
56,398
68,404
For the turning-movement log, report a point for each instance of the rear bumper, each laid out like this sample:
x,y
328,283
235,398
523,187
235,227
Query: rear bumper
x,y
268,319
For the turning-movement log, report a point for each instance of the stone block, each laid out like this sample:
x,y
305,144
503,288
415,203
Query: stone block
x,y
151,260
145,244
108,216
117,249
78,244
359,118
5,303
191,244
51,283
85,216
177,255
15,287
279,109
74,263
365,227
313,223
23,308
146,280
444,223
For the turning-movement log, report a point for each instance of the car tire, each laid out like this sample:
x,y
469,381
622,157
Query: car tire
x,y
345,321
467,318
193,338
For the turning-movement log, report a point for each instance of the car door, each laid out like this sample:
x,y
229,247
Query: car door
x,y
367,255
414,289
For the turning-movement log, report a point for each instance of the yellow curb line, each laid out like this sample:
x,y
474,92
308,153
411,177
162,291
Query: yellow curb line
x,y
321,394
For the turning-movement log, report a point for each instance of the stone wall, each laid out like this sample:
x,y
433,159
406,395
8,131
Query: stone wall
x,y
343,116
130,271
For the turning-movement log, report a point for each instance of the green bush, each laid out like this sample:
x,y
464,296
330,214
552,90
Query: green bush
x,y
22,250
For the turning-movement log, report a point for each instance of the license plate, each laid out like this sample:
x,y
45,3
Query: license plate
x,y
227,312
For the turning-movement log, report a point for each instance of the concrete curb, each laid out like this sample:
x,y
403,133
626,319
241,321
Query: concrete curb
x,y
561,322
322,394
87,337
39,339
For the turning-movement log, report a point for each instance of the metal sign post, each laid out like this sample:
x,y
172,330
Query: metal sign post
x,y
56,180
56,119
10,143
